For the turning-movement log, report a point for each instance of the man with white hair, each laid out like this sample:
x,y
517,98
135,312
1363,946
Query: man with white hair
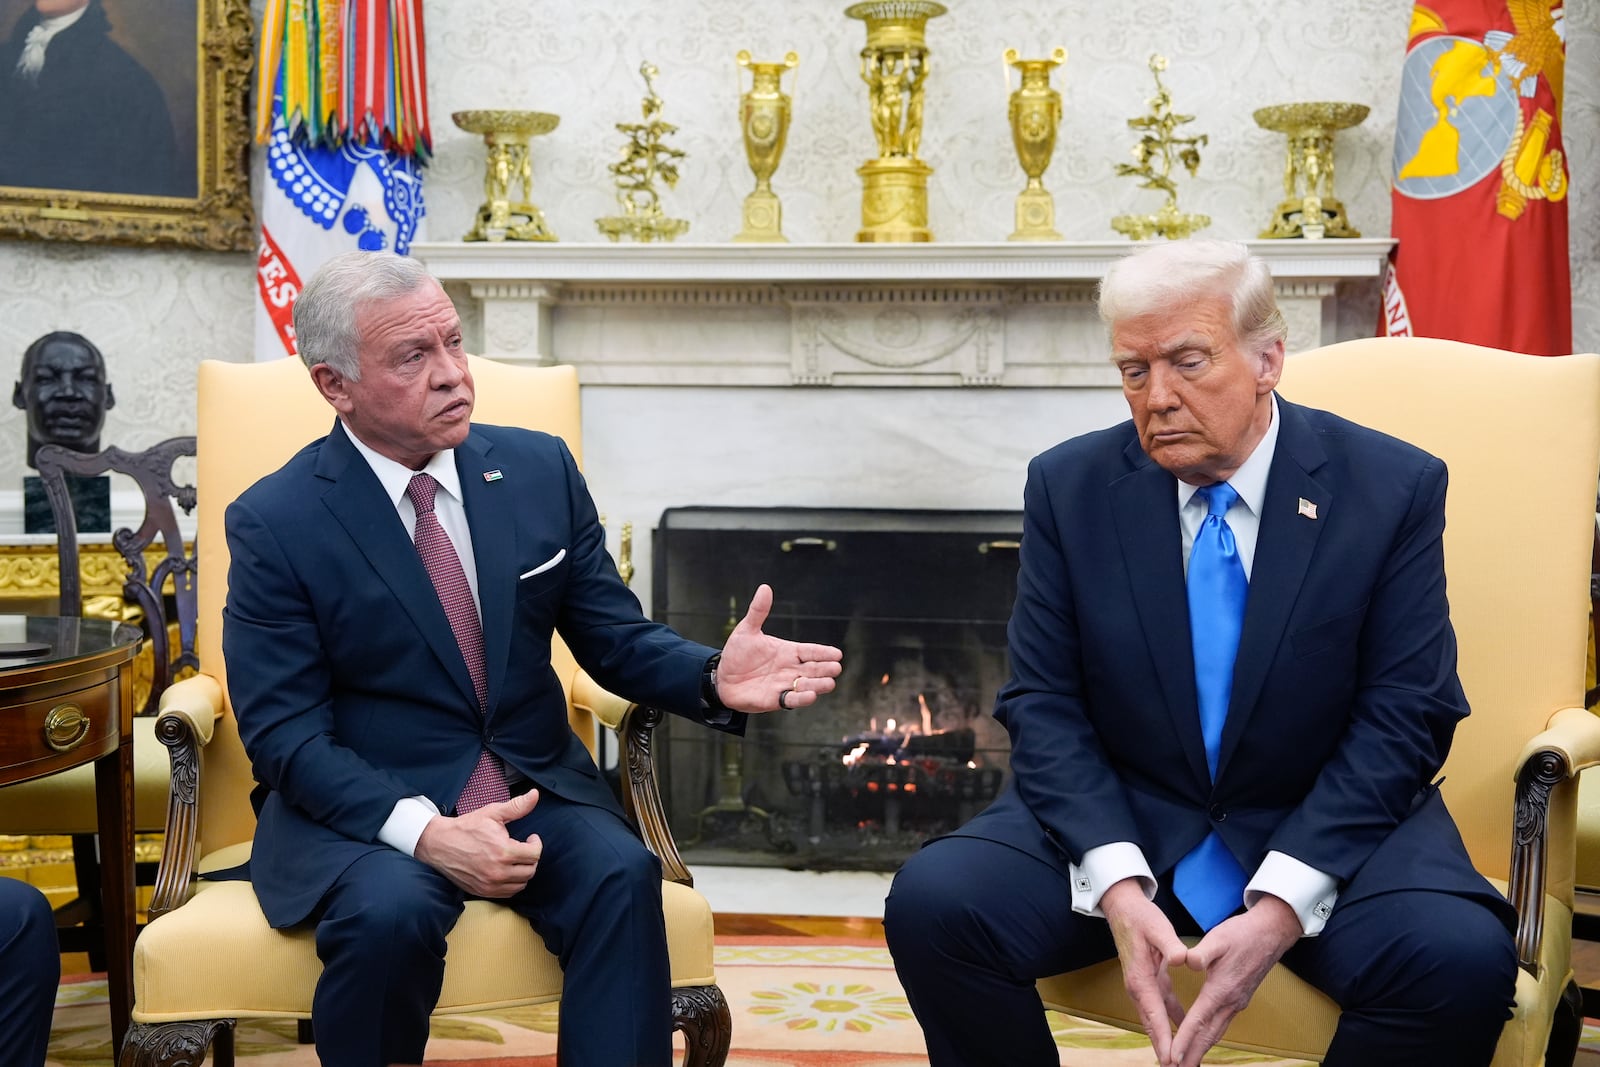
x,y
1233,684
392,594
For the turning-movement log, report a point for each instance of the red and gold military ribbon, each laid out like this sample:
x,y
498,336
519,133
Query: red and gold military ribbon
x,y
347,69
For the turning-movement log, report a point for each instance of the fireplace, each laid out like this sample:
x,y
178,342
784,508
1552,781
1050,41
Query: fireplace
x,y
905,748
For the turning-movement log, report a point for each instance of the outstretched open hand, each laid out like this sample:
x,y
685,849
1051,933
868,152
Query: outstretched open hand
x,y
759,672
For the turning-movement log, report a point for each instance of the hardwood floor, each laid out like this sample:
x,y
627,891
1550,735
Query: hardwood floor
x,y
798,926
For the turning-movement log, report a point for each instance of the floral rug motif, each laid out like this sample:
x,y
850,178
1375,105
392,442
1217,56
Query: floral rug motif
x,y
800,1002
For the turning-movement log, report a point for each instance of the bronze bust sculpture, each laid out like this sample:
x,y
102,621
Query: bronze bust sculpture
x,y
63,388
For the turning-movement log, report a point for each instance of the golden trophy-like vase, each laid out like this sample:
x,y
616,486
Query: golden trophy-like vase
x,y
1035,113
764,121
1309,208
894,65
506,133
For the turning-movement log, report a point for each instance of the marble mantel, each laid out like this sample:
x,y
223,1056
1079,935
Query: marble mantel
x,y
1008,314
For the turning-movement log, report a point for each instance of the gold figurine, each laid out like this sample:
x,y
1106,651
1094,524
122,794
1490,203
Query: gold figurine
x,y
645,159
1035,113
894,65
506,133
1309,208
1157,150
764,120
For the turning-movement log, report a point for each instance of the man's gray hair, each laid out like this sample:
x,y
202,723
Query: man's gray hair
x,y
1173,273
325,312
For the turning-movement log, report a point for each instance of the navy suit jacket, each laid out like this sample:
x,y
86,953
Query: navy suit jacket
x,y
1345,695
348,685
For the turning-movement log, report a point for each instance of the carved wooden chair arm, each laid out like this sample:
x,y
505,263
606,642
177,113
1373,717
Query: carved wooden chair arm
x,y
641,795
1570,743
189,713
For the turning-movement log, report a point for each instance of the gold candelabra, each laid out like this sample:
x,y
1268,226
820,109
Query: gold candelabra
x,y
1309,208
894,66
645,160
764,120
506,133
1158,148
1035,113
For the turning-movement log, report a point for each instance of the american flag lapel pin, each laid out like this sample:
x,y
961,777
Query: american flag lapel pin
x,y
495,476
1307,508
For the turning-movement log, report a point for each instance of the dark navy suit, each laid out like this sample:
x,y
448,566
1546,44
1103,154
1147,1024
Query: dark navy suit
x,y
30,969
1344,701
351,693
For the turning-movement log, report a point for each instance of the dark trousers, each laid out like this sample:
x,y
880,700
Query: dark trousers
x,y
595,901
30,970
1420,977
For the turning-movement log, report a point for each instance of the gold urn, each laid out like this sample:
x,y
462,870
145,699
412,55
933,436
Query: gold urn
x,y
1309,208
1035,114
894,66
764,112
506,133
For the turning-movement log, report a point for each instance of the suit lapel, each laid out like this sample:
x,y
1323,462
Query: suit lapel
x,y
357,500
494,541
1284,547
1144,503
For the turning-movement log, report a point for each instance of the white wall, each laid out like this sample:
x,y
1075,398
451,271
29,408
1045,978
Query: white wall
x,y
156,313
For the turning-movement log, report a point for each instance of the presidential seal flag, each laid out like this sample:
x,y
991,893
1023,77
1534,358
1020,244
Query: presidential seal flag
x,y
342,108
1480,179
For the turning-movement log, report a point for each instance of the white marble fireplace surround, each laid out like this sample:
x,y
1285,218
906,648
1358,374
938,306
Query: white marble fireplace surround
x,y
870,376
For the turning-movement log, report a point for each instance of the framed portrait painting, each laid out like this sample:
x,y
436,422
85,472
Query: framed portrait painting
x,y
126,121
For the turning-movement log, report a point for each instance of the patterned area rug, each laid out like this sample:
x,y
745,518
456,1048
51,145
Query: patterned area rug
x,y
801,1002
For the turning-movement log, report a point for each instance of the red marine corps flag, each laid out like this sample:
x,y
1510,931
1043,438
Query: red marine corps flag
x,y
1480,179
341,104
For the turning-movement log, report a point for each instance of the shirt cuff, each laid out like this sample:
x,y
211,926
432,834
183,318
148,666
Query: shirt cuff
x,y
1308,891
406,823
1103,867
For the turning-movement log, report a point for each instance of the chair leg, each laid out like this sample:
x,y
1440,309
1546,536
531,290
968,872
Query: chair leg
x,y
1567,1029
86,909
701,1012
304,1033
182,1044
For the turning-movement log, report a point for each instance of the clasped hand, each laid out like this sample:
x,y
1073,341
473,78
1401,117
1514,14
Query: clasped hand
x,y
759,672
1234,956
478,853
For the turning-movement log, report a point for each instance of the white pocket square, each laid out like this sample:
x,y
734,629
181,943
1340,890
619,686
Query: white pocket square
x,y
546,565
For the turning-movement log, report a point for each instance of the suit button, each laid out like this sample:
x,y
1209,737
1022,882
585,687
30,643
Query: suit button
x,y
1217,813
488,738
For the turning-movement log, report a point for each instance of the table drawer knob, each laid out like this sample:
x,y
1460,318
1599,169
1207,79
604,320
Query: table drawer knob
x,y
66,727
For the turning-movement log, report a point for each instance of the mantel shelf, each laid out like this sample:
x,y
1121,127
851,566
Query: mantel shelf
x,y
697,315
1079,261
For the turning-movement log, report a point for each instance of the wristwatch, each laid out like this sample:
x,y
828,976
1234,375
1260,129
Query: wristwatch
x,y
708,684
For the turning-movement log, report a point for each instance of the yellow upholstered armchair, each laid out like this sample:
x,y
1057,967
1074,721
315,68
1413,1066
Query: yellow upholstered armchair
x,y
208,958
1521,437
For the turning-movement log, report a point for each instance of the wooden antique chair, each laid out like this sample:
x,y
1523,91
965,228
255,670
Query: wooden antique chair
x,y
208,958
1521,437
64,804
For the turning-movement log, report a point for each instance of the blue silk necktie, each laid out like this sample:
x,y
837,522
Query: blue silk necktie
x,y
1209,881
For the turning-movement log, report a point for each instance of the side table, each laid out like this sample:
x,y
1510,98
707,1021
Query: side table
x,y
66,699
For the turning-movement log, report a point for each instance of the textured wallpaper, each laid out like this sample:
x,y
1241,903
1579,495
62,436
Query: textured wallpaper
x,y
157,313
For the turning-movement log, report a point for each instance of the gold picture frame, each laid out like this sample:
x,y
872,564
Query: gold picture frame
x,y
208,208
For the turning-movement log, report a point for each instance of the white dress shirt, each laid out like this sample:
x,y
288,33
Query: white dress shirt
x,y
31,62
411,814
1310,892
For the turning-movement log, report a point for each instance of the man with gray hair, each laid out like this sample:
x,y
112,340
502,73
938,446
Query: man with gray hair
x,y
391,600
1233,683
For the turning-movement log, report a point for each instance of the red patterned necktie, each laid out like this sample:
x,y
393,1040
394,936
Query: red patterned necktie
x,y
487,783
